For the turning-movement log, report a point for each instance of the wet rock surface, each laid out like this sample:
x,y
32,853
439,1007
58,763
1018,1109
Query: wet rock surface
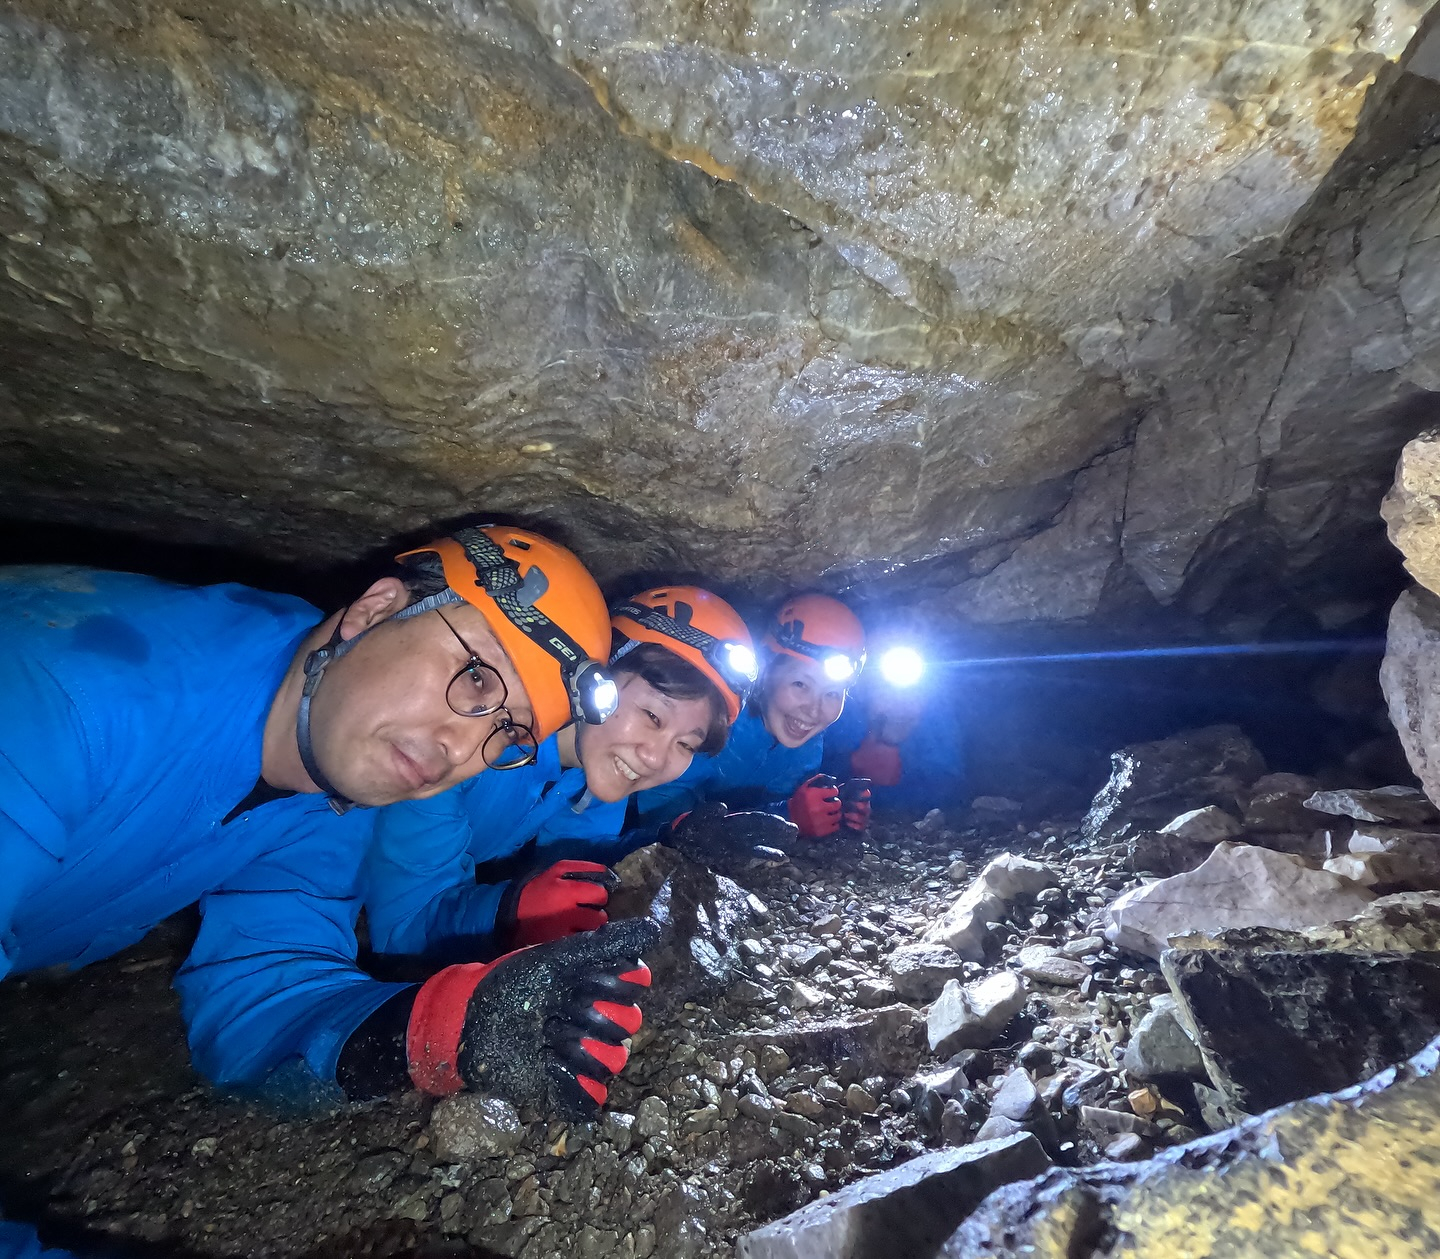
x,y
1090,340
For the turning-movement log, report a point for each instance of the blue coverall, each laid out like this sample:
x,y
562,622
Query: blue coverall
x,y
932,755
419,883
132,725
753,771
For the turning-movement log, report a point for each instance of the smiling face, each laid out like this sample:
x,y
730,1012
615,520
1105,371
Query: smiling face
x,y
798,701
648,741
380,723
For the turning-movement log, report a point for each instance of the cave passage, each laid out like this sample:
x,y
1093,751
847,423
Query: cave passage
x,y
465,472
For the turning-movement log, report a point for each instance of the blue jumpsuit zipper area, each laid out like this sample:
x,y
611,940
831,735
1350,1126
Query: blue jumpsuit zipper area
x,y
133,722
752,771
420,892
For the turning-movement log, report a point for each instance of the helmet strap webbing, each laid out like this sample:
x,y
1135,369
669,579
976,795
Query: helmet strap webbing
x,y
500,576
653,619
315,665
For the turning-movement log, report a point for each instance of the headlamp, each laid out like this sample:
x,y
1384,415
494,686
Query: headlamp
x,y
902,666
593,693
838,668
738,662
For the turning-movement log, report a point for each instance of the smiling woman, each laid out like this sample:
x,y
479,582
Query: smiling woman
x,y
683,662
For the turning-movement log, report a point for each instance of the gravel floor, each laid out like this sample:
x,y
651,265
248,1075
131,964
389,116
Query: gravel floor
x,y
712,1129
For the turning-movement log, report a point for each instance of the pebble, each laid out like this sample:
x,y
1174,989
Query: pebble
x,y
859,1100
1048,966
652,1118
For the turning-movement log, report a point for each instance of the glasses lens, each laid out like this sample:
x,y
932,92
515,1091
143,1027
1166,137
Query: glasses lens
x,y
509,746
476,691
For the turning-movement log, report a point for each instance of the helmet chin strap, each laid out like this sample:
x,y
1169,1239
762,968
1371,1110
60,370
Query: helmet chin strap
x,y
315,665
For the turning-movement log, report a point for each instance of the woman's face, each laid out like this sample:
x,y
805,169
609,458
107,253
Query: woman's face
x,y
799,700
648,740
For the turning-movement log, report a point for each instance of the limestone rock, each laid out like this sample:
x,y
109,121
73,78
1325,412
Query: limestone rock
x,y
1346,1174
1410,678
1238,885
1160,1047
971,1016
689,282
1048,966
1281,1014
1402,869
1276,804
1411,509
907,1210
985,900
1209,825
703,917
1150,783
885,1042
470,1126
920,971
1404,806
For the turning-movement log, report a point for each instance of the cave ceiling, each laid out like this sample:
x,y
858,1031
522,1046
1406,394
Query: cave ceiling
x,y
1035,312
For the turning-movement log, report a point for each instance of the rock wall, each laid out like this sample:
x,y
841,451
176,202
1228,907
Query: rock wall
x,y
1049,314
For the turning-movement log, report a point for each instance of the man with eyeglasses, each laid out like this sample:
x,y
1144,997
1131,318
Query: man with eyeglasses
x,y
160,744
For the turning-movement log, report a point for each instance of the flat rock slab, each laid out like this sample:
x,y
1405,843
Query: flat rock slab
x,y
1349,1175
1279,1015
903,1213
1238,885
889,1041
1050,966
1209,825
1402,806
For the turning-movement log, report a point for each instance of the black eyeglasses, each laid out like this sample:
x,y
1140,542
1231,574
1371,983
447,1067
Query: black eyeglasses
x,y
478,690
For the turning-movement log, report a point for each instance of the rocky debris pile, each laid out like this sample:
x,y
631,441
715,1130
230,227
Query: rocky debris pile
x,y
813,1026
1332,1175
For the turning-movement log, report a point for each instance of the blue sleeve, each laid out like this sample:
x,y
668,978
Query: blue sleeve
x,y
18,1241
419,880
272,977
45,783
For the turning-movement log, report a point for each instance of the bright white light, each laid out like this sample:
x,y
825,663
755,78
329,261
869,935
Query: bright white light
x,y
605,697
902,666
742,661
839,668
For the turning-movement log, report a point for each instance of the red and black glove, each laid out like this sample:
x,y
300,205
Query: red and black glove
x,y
876,760
542,1026
557,901
710,832
815,807
855,804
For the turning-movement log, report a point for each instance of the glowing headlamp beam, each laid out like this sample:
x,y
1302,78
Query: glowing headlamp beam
x,y
839,668
902,666
1209,649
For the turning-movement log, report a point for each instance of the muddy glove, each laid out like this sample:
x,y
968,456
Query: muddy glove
x,y
855,804
876,760
560,900
815,807
542,1026
710,832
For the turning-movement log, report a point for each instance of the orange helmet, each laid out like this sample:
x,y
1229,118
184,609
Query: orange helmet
x,y
547,612
699,627
817,627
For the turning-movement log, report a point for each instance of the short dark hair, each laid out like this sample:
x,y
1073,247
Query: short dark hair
x,y
678,679
423,575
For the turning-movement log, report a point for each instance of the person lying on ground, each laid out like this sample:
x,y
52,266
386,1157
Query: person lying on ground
x,y
160,744
683,662
812,653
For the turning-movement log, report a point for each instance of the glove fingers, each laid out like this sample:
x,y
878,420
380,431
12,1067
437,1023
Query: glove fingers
x,y
574,1098
610,1021
613,947
616,988
588,872
589,1056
